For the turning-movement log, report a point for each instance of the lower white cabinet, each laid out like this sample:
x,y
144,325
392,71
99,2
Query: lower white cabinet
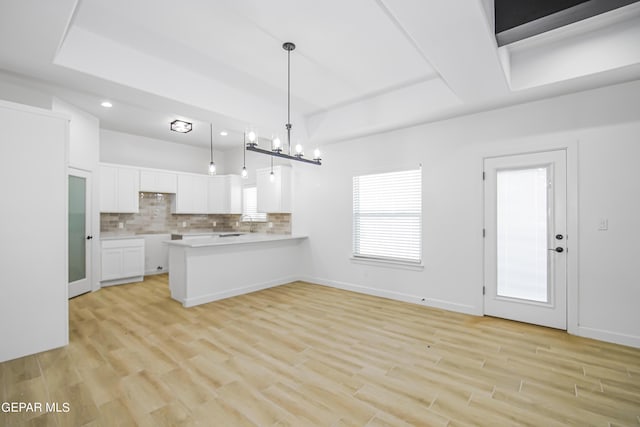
x,y
122,261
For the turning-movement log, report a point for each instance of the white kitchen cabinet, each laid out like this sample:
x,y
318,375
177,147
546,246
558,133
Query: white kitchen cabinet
x,y
191,195
158,182
119,189
274,197
122,261
225,194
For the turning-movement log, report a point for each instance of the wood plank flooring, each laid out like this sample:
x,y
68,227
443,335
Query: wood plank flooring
x,y
308,355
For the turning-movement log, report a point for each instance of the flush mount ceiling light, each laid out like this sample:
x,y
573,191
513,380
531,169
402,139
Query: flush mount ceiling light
x,y
181,126
224,133
276,148
106,104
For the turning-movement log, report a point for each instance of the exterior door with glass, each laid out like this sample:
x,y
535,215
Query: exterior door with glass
x,y
525,238
79,232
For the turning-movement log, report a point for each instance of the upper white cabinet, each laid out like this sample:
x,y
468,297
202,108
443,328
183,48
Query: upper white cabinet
x,y
274,197
119,187
158,182
191,195
225,194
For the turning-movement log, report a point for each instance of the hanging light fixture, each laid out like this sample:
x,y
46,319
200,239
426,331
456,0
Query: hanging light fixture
x,y
244,172
272,177
212,165
276,146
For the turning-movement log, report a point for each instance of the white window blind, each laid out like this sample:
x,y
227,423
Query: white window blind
x,y
250,205
387,216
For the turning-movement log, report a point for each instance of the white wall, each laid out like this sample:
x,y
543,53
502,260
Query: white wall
x,y
606,125
84,148
16,89
134,150
33,248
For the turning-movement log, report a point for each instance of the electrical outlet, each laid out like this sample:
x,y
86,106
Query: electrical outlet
x,y
121,225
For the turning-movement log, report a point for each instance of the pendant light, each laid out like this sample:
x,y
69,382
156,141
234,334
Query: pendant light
x,y
272,177
244,172
212,165
276,150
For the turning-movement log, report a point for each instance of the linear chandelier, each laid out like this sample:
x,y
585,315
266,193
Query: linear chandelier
x,y
276,149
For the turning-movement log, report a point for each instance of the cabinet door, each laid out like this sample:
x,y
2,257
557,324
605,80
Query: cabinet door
x,y
191,197
108,189
217,195
183,199
235,194
200,194
111,264
158,182
267,192
132,262
128,184
274,196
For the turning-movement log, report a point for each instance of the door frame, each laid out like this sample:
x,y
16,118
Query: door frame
x,y
89,203
532,147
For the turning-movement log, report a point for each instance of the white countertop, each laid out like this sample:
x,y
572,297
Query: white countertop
x,y
206,241
121,237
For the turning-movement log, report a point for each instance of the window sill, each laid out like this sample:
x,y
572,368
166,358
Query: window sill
x,y
404,265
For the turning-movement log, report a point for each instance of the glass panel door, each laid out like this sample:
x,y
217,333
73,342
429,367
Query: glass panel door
x,y
77,228
525,244
522,217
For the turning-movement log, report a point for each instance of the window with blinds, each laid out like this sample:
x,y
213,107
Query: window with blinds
x,y
250,205
387,216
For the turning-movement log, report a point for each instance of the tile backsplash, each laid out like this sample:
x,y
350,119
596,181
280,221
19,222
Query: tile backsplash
x,y
155,216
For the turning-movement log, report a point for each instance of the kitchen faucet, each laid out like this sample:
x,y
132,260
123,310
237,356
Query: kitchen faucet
x,y
242,219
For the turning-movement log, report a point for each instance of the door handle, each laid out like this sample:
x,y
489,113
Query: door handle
x,y
558,249
89,237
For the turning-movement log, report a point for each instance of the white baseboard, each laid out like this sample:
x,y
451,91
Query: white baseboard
x,y
608,336
190,302
414,299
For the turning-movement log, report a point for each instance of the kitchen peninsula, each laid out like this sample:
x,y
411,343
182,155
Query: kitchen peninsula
x,y
218,266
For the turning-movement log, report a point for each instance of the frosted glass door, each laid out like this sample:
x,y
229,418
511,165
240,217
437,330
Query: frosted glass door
x,y
79,228
525,238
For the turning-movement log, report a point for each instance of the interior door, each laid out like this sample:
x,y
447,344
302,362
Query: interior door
x,y
525,238
79,232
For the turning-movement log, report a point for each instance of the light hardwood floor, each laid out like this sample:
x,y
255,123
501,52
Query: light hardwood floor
x,y
303,354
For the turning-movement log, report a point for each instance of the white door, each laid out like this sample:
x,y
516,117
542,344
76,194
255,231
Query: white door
x,y
525,238
79,232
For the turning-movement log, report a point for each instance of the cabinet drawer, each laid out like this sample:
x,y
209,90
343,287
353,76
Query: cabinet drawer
x,y
122,243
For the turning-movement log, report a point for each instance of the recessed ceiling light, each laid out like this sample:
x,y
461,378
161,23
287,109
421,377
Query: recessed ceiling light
x,y
106,104
181,126
224,133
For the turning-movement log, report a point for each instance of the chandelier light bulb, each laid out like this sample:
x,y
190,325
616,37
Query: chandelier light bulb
x,y
276,143
245,174
212,168
299,149
272,177
252,136
316,154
